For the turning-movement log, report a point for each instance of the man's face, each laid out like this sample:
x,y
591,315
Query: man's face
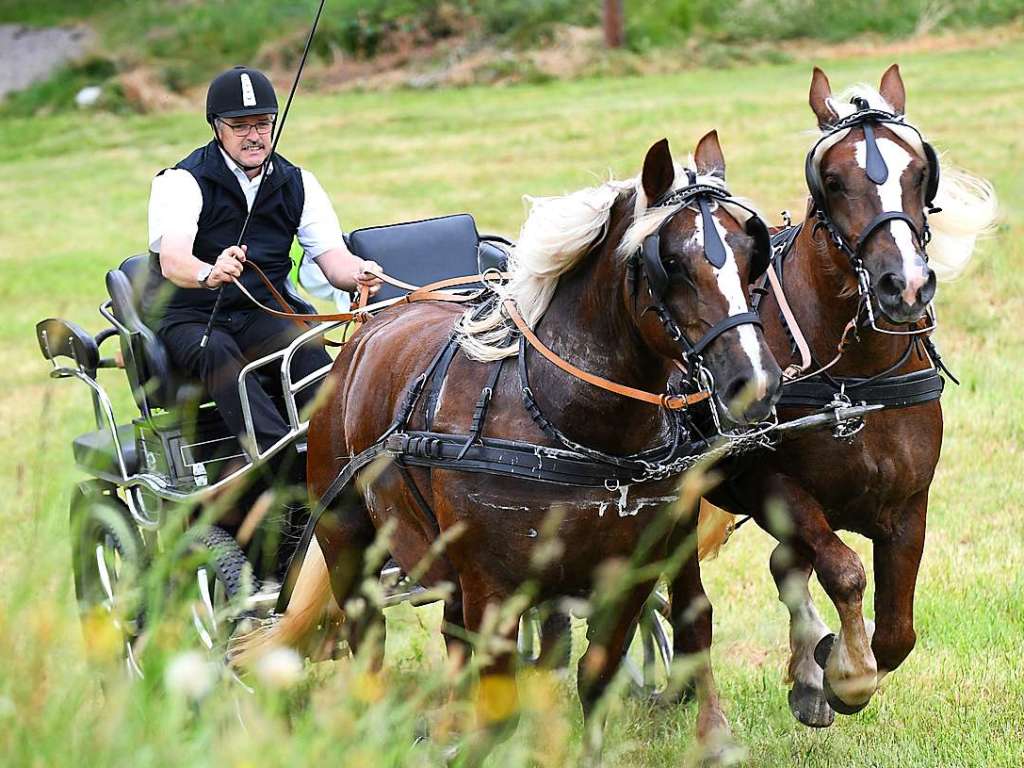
x,y
252,147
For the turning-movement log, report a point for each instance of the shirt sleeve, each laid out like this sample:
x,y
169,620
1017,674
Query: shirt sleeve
x,y
319,230
175,202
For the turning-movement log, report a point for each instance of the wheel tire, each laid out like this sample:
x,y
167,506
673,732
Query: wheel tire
x,y
229,583
107,552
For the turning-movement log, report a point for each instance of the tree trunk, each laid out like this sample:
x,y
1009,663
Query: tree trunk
x,y
614,23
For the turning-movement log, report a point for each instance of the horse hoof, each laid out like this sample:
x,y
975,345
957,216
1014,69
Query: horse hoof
x,y
839,705
673,697
808,705
824,648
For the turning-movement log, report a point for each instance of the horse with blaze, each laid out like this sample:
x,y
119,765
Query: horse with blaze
x,y
859,282
575,285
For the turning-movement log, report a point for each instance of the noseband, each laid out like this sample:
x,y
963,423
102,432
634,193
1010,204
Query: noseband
x,y
867,118
648,262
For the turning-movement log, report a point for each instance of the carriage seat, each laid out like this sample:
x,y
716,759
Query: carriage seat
x,y
154,381
421,252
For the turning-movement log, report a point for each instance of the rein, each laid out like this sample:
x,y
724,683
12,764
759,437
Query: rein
x,y
436,292
667,400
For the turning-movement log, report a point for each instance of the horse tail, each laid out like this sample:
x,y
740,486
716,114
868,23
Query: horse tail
x,y
713,528
310,600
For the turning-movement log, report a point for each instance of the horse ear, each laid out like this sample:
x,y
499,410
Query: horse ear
x,y
892,89
659,171
821,92
708,156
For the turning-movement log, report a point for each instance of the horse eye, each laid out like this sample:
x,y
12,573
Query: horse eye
x,y
833,183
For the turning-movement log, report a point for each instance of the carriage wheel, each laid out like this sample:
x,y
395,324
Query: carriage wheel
x,y
532,631
107,558
652,675
219,586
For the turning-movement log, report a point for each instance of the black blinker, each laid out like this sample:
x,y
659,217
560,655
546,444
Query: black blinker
x,y
714,248
877,170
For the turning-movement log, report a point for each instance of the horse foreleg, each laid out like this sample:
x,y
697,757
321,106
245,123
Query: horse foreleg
x,y
850,677
609,631
692,632
897,559
496,695
806,629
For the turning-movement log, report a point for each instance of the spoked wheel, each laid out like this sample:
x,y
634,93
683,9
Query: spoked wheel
x,y
556,626
219,587
652,675
107,557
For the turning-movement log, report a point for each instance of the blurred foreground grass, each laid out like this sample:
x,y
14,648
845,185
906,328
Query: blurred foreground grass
x,y
73,201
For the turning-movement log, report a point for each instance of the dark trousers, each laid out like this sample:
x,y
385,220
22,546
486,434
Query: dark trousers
x,y
238,338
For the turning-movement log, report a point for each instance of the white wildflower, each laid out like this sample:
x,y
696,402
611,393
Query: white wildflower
x,y
279,668
190,675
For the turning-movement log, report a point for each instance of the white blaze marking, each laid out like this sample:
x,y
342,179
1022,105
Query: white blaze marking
x,y
891,194
731,287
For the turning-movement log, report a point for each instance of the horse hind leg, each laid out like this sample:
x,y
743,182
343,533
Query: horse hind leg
x,y
346,533
806,629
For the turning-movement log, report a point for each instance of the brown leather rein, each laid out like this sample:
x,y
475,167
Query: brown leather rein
x,y
436,291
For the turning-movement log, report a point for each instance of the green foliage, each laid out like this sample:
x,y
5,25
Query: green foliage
x,y
59,91
188,41
658,22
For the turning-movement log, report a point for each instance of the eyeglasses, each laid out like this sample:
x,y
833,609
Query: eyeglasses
x,y
241,130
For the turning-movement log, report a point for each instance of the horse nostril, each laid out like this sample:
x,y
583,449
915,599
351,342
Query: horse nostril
x,y
735,389
927,291
891,284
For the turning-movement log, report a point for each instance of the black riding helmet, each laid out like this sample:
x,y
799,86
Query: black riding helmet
x,y
239,92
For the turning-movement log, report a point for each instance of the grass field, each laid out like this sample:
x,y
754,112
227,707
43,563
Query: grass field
x,y
73,203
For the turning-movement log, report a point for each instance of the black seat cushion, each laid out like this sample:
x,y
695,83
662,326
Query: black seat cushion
x,y
420,252
95,453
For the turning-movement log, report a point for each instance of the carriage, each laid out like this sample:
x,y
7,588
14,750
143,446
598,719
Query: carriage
x,y
159,467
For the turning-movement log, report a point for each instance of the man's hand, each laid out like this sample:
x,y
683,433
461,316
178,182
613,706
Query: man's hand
x,y
228,266
365,277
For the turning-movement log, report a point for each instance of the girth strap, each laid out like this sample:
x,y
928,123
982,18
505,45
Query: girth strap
x,y
892,392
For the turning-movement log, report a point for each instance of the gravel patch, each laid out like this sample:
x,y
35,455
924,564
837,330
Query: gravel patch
x,y
31,54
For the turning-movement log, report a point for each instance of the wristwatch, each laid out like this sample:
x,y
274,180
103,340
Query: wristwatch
x,y
203,275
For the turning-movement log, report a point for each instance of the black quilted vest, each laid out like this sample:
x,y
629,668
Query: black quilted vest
x,y
275,219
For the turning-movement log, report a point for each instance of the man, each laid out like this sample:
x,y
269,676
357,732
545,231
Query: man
x,y
196,212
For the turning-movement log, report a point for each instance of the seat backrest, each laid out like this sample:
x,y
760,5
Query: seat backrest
x,y
154,382
420,252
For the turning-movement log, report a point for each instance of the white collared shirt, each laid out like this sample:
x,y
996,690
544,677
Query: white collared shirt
x,y
175,202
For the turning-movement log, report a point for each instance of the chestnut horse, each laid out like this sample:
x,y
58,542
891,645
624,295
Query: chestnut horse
x,y
860,255
576,285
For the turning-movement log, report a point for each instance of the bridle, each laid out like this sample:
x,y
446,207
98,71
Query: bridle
x,y
647,262
868,119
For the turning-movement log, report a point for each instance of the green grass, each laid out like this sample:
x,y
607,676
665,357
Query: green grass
x,y
73,196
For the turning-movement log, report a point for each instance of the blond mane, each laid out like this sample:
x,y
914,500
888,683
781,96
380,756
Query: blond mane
x,y
557,233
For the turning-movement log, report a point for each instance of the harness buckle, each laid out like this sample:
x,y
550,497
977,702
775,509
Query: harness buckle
x,y
845,429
